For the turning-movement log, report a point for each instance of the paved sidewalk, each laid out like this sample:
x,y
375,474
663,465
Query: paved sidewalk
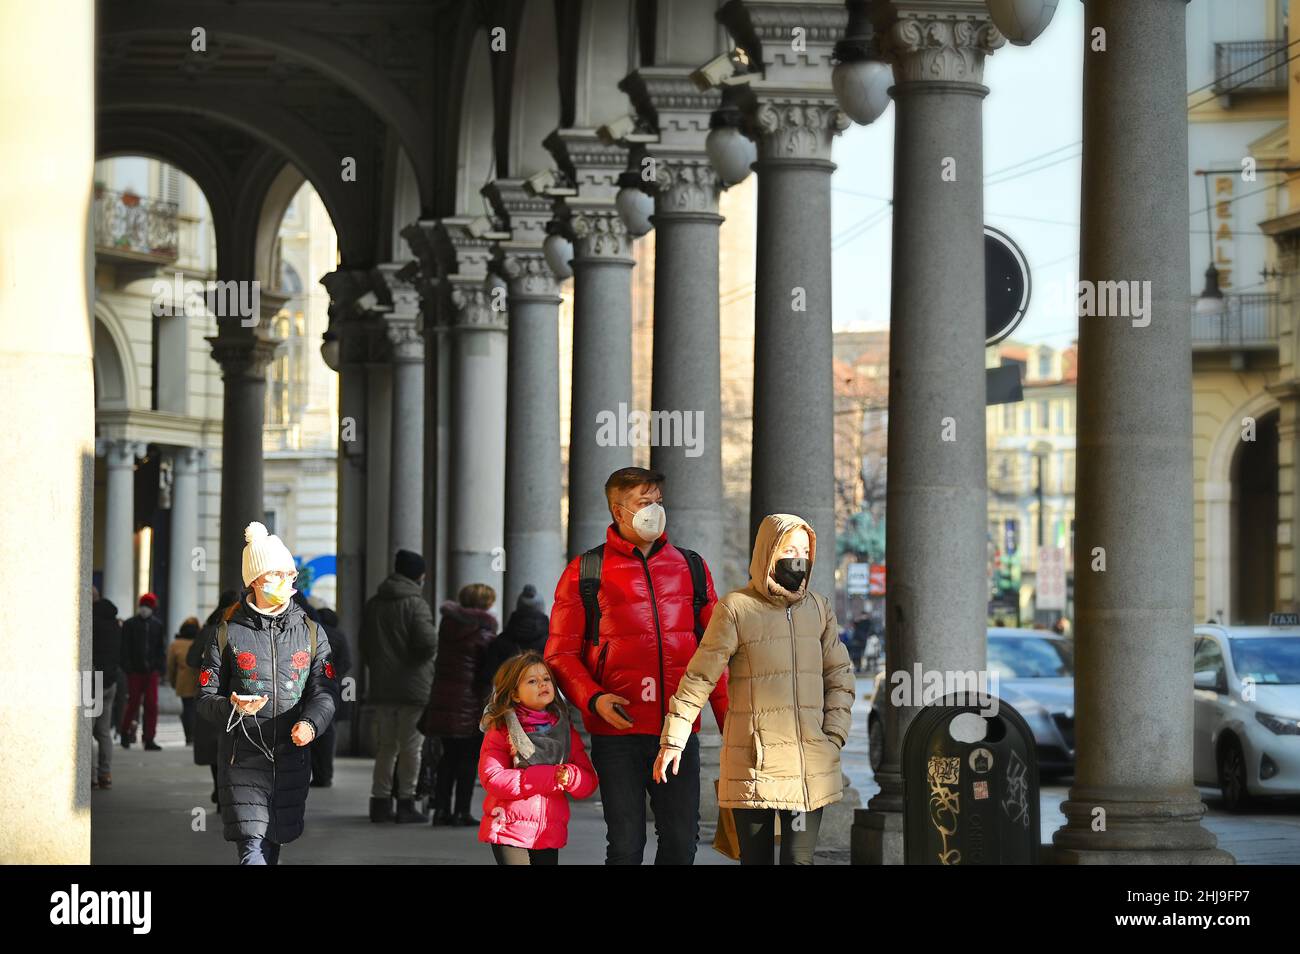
x,y
158,799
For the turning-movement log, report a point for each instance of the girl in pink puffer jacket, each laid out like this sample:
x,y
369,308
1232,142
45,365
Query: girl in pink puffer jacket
x,y
532,759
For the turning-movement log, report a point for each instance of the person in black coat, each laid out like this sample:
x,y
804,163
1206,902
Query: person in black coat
x,y
526,630
144,659
322,750
106,654
270,692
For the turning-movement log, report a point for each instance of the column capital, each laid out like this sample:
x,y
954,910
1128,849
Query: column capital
x,y
599,232
519,259
591,163
120,451
189,459
795,125
242,356
666,99
400,310
930,42
474,306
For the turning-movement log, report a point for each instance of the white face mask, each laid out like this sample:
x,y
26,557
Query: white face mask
x,y
649,522
144,612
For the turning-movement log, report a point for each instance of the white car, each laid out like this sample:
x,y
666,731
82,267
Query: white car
x,y
1246,686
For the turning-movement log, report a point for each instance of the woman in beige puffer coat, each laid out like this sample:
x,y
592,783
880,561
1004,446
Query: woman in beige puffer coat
x,y
792,689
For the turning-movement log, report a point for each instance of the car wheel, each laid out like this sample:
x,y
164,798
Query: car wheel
x,y
1232,776
876,744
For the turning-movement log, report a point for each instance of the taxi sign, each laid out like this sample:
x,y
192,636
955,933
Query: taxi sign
x,y
1284,619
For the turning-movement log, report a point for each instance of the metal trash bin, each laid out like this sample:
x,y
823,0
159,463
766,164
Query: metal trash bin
x,y
970,802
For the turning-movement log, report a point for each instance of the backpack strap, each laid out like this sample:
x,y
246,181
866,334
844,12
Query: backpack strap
x,y
222,639
311,632
589,588
699,586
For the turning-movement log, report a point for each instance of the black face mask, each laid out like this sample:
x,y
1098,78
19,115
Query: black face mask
x,y
790,572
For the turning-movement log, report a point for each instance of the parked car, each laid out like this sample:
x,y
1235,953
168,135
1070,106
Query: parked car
x,y
1246,687
1035,673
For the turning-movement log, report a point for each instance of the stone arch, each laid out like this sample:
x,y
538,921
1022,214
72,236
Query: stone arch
x,y
1219,498
274,204
534,106
475,155
115,376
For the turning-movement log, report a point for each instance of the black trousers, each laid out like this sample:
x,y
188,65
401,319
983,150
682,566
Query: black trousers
x,y
510,855
322,755
755,831
457,768
187,718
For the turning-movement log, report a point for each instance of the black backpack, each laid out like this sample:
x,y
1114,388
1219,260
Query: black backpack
x,y
589,587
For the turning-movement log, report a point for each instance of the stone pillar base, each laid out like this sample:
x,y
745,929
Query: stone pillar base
x,y
1181,856
876,838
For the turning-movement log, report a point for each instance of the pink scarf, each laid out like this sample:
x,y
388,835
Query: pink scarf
x,y
532,719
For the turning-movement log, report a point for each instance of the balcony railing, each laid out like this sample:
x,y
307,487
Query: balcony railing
x,y
1248,322
135,227
1253,66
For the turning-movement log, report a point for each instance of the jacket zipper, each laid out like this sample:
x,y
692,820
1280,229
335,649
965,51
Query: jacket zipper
x,y
659,636
275,678
794,676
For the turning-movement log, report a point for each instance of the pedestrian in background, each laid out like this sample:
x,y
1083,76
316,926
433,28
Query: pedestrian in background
x,y
144,658
525,631
398,641
461,684
182,677
322,749
106,653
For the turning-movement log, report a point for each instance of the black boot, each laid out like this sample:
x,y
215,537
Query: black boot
x,y
151,746
407,812
381,809
464,820
441,817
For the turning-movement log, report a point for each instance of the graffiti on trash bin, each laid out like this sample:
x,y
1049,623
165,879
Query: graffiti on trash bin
x,y
1016,804
944,771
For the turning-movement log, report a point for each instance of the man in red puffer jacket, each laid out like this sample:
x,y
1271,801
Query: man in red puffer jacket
x,y
623,679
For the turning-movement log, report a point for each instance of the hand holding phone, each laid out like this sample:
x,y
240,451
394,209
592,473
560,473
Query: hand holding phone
x,y
249,705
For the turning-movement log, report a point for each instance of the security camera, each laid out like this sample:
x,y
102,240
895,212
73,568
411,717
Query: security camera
x,y
539,183
714,72
617,130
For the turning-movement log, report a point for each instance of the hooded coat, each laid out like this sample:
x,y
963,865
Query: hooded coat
x,y
791,687
266,655
461,682
398,643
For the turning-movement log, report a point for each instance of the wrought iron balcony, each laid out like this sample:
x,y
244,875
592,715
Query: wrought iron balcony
x,y
1248,323
1253,66
134,227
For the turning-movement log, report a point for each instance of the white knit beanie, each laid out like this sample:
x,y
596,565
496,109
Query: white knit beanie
x,y
264,552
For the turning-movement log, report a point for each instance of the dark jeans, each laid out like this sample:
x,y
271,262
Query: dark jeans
x,y
187,718
322,755
510,855
259,851
458,766
625,764
757,838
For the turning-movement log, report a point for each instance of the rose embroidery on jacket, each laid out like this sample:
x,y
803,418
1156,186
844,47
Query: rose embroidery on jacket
x,y
245,660
301,660
204,676
329,670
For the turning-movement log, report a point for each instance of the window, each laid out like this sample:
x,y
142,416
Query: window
x,y
1060,417
1008,417
1045,364
1043,414
1208,657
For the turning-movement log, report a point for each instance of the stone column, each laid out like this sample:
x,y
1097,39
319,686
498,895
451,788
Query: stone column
x,y
119,523
797,118
183,579
347,288
406,474
476,460
47,155
602,329
379,443
686,390
936,604
1133,801
243,354
534,539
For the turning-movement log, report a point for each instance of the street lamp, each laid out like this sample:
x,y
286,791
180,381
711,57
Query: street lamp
x,y
1021,21
861,79
558,251
329,350
634,205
